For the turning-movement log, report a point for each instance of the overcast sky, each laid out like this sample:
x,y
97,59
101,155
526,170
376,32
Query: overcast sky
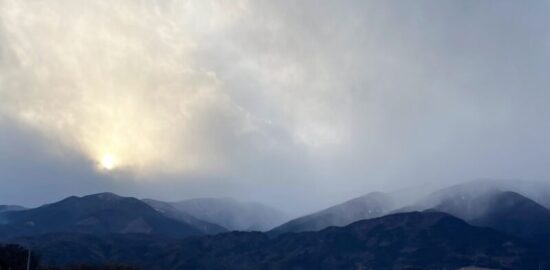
x,y
297,104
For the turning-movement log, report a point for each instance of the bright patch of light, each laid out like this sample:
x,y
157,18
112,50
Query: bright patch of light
x,y
108,162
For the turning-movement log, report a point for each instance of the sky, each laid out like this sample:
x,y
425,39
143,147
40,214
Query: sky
x,y
296,104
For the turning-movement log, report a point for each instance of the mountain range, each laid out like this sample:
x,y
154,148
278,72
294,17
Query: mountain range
x,y
103,213
415,240
474,224
482,203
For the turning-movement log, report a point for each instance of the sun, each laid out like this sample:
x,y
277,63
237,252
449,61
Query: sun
x,y
108,162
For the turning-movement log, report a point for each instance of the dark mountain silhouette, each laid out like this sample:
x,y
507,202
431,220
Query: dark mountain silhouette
x,y
368,206
100,213
504,230
417,240
232,214
171,211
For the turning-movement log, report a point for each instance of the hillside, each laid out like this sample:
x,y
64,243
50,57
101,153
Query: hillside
x,y
98,214
368,206
427,240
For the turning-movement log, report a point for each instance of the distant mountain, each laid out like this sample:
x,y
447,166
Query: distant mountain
x,y
485,205
232,214
515,214
463,201
368,206
457,198
5,208
171,211
536,191
99,214
417,240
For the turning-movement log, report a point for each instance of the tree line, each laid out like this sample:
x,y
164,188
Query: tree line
x,y
15,257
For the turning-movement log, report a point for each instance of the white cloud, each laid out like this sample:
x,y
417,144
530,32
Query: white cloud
x,y
130,80
336,97
114,79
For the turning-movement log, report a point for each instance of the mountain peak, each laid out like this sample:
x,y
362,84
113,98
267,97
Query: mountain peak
x,y
371,205
104,196
101,213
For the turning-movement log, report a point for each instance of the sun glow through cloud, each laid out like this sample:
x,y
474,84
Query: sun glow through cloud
x,y
118,79
135,81
108,162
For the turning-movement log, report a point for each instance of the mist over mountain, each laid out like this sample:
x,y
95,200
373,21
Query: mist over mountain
x,y
274,134
485,227
369,206
495,204
538,191
504,211
485,203
515,214
172,211
535,190
232,214
278,99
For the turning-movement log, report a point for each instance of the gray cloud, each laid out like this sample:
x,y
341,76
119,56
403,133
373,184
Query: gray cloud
x,y
292,103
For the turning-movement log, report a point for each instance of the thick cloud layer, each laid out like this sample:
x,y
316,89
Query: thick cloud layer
x,y
292,103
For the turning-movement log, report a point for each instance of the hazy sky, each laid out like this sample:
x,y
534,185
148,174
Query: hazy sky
x,y
298,104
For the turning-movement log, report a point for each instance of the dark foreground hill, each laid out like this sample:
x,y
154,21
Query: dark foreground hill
x,y
17,257
104,213
416,240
